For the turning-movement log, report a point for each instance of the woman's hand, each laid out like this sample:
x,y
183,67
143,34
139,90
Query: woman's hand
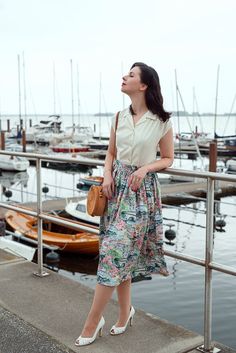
x,y
108,185
135,180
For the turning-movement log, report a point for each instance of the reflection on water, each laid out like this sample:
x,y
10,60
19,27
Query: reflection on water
x,y
75,263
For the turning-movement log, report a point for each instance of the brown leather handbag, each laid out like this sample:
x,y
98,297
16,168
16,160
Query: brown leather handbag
x,y
96,200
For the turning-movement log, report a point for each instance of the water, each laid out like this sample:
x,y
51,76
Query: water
x,y
178,298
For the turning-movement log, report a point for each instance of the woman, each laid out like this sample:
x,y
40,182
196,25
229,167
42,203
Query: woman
x,y
131,229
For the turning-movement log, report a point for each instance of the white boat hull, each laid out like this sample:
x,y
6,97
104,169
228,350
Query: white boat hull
x,y
18,164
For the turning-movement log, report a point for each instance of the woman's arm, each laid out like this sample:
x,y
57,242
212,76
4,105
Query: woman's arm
x,y
166,145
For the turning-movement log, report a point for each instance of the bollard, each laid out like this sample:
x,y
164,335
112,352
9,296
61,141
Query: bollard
x,y
23,141
2,140
8,125
213,156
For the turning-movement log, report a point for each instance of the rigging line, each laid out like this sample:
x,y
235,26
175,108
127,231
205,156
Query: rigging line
x,y
177,108
185,208
184,222
216,99
197,107
190,128
229,116
204,199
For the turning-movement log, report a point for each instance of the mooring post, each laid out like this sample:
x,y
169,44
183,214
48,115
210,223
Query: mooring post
x,y
2,140
8,125
23,141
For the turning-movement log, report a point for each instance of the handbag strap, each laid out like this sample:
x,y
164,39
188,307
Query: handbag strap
x,y
117,119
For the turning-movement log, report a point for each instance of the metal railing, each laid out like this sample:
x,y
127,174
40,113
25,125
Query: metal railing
x,y
207,262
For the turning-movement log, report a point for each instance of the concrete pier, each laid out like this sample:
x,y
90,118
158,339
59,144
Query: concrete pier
x,y
43,315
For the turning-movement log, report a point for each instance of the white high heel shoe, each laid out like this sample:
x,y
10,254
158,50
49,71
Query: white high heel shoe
x,y
118,330
84,341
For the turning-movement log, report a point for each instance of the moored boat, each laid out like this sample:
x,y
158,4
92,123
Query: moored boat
x,y
78,210
65,238
13,163
231,166
68,147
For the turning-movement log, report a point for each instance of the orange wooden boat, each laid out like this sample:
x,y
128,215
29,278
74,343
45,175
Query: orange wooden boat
x,y
64,237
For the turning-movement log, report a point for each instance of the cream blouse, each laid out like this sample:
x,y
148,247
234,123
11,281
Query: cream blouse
x,y
137,144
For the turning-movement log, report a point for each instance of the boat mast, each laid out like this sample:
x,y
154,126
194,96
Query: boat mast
x,y
100,104
216,100
72,97
190,128
229,116
24,88
78,95
177,107
19,87
197,108
54,88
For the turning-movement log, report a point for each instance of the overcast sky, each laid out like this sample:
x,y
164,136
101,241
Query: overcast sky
x,y
102,36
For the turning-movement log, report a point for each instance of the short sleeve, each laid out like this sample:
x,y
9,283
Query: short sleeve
x,y
167,126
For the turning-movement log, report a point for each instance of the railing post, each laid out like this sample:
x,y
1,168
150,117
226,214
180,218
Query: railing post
x,y
41,272
207,346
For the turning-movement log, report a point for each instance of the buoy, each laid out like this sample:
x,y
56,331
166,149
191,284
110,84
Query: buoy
x,y
8,193
45,189
52,257
170,234
220,224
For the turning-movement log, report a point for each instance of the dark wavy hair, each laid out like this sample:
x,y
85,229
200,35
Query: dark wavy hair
x,y
153,96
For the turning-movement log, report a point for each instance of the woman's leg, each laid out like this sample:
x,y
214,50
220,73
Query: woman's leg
x,y
101,297
124,298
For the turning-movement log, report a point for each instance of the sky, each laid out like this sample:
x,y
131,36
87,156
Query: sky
x,y
103,38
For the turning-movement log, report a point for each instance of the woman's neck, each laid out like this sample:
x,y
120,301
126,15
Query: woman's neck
x,y
139,105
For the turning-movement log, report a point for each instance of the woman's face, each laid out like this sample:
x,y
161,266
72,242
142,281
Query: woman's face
x,y
132,82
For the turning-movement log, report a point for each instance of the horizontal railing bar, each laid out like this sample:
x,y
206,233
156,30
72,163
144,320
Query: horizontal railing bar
x,y
46,158
31,241
223,268
19,209
187,258
47,217
70,223
171,171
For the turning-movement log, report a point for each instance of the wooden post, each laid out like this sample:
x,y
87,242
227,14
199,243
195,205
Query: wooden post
x,y
213,156
23,141
2,140
8,125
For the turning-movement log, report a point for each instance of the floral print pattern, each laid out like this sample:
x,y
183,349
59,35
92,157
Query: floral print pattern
x,y
131,230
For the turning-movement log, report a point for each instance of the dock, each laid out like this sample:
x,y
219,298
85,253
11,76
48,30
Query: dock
x,y
42,315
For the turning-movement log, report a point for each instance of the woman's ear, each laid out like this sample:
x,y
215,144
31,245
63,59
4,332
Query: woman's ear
x,y
143,87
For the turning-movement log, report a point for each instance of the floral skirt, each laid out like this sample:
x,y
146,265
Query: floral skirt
x,y
131,230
